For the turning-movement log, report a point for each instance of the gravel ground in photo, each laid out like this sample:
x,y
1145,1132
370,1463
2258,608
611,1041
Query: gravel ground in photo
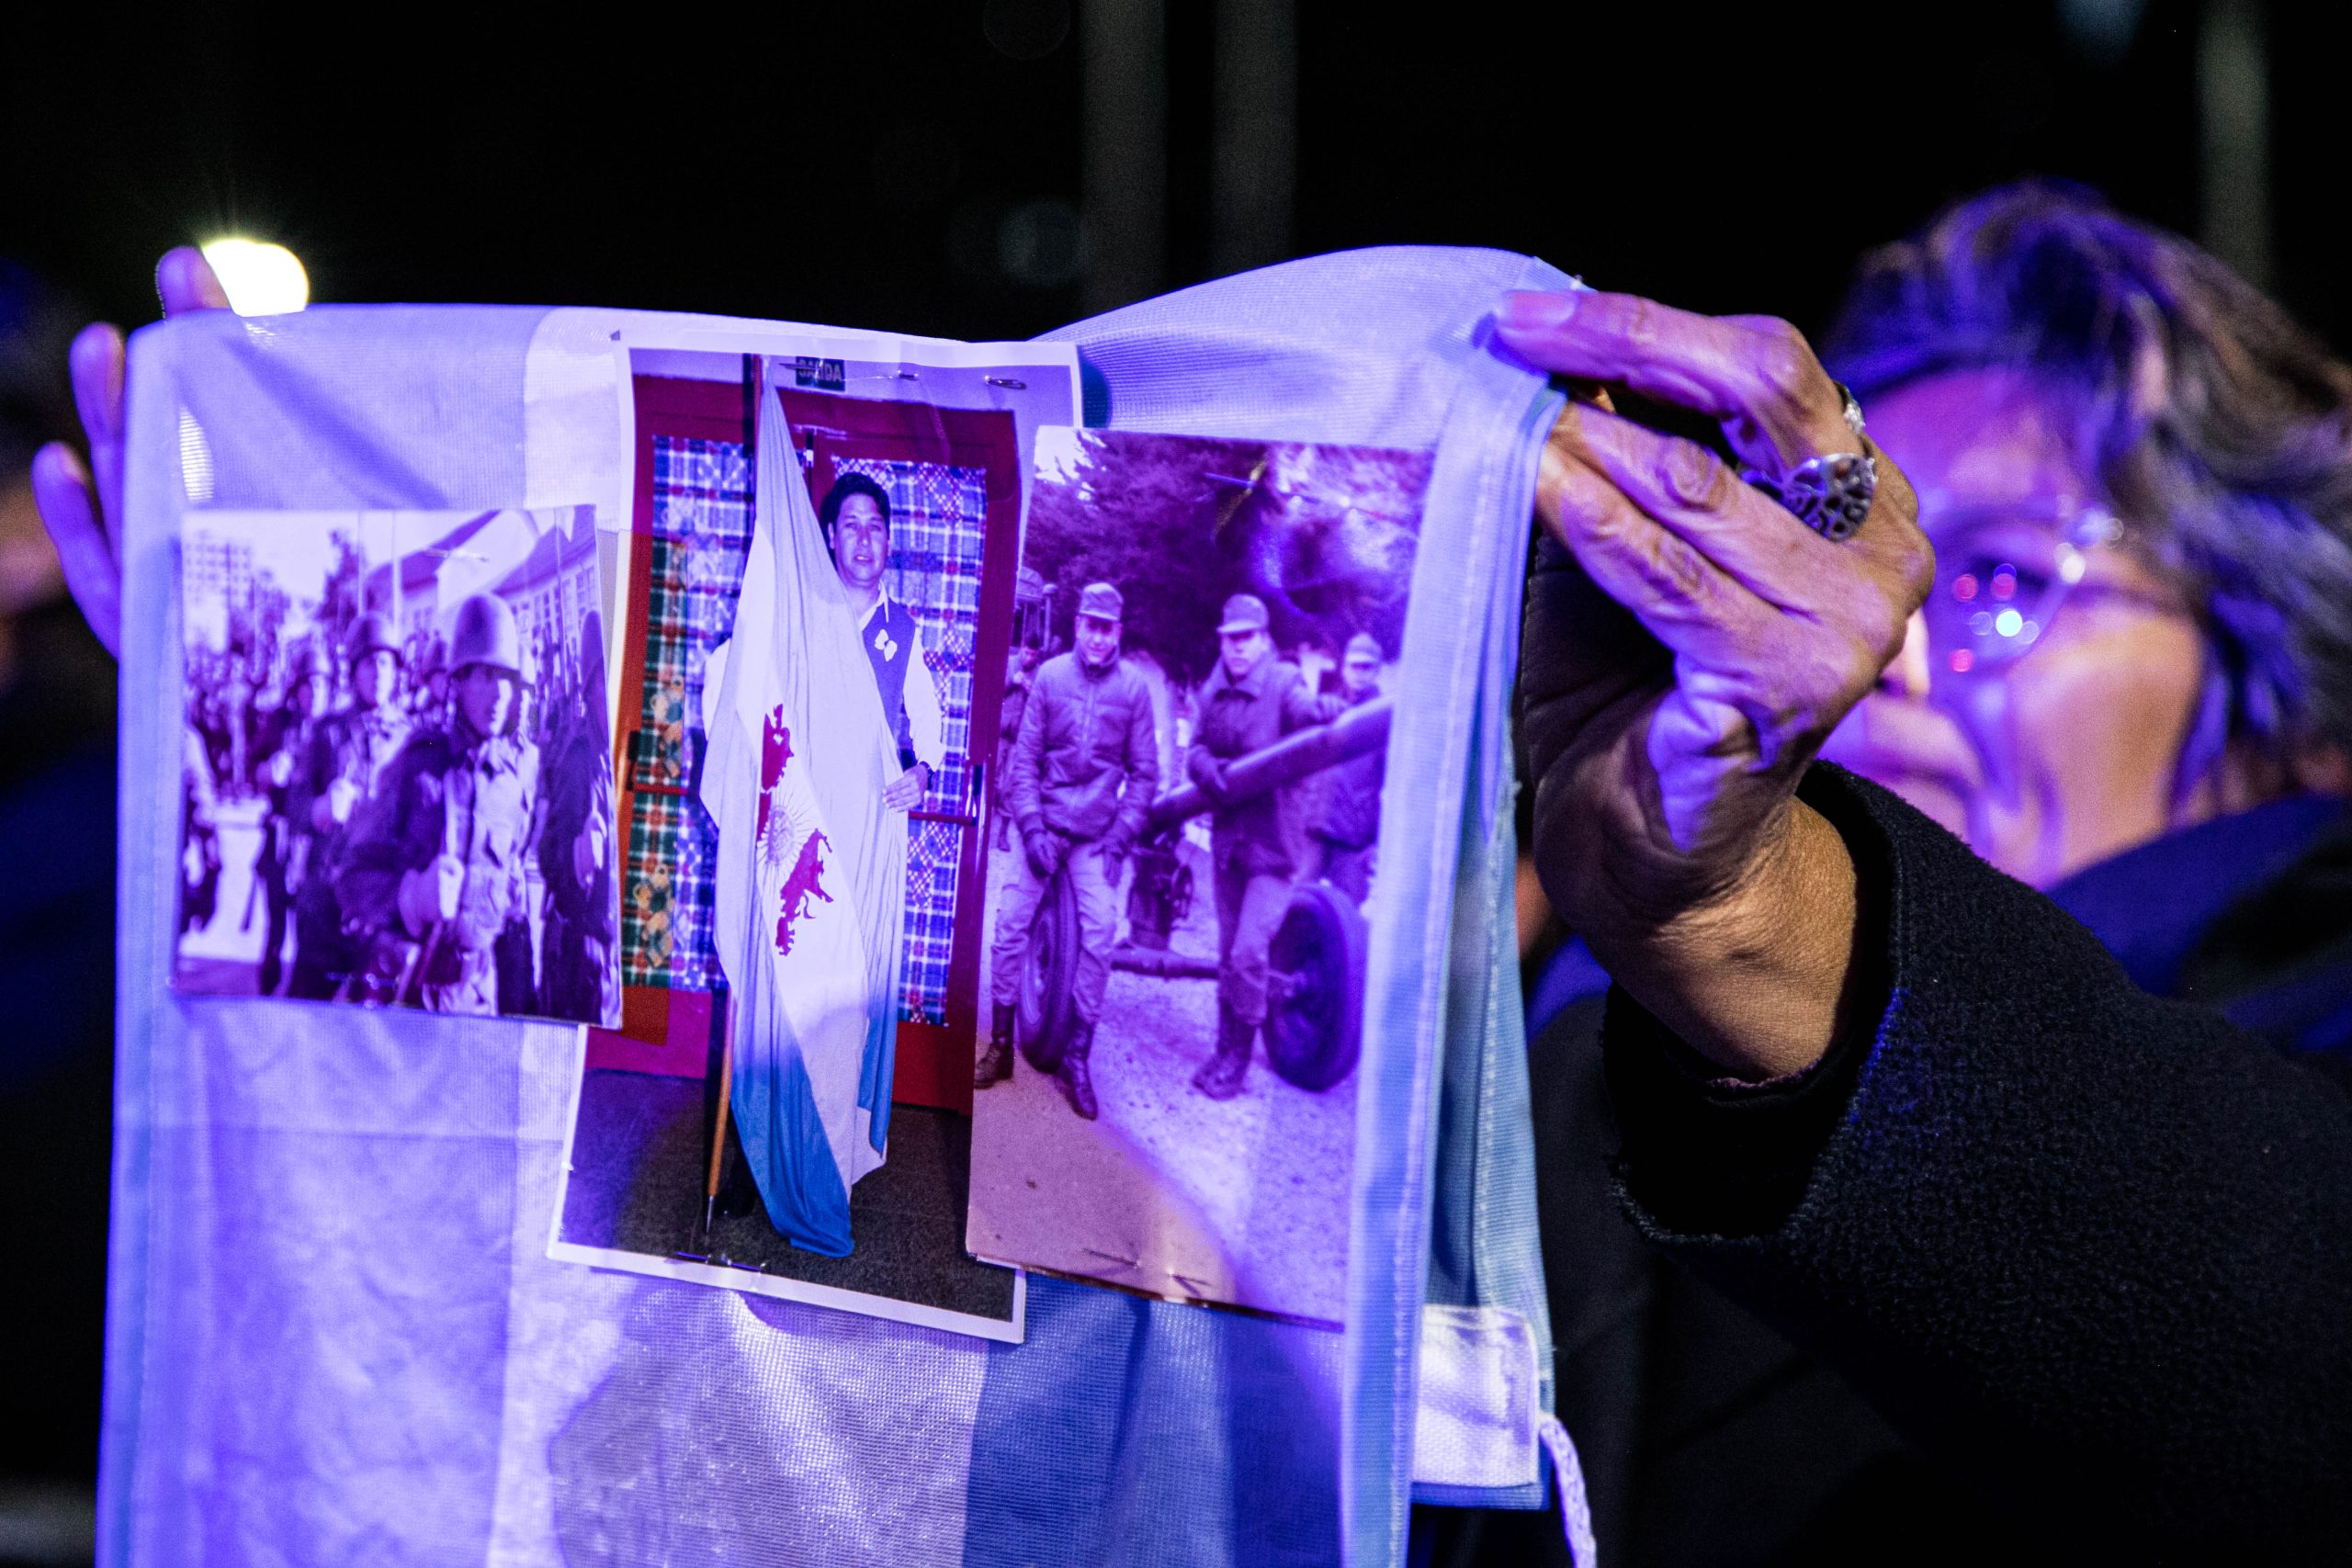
x,y
1243,1202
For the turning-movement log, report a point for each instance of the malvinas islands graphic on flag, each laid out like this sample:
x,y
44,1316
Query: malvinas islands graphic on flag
x,y
811,869
789,839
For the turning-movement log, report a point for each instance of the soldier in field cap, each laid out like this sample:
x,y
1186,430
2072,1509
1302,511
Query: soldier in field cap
x,y
434,872
1085,767
1257,846
1346,828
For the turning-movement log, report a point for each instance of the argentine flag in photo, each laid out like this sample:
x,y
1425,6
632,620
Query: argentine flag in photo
x,y
810,867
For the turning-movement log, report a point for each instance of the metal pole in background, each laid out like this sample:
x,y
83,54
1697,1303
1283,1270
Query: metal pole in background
x,y
2234,116
1124,69
1253,173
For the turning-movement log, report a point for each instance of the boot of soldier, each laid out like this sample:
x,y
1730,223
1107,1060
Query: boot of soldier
x,y
995,1065
1221,1076
1077,1078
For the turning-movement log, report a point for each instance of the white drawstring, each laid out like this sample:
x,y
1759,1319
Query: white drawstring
x,y
1575,1510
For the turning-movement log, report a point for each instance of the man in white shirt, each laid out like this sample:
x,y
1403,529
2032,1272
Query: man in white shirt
x,y
856,517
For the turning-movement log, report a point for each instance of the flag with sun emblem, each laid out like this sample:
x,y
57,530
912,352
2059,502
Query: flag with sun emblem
x,y
810,866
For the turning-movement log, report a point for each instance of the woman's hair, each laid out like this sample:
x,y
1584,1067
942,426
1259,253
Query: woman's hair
x,y
2220,431
844,487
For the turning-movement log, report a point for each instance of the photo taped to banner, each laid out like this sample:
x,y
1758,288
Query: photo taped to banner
x,y
1183,856
397,772
824,554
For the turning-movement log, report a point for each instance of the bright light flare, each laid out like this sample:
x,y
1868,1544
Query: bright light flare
x,y
261,278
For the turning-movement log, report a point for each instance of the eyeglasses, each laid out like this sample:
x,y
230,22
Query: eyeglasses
x,y
2002,574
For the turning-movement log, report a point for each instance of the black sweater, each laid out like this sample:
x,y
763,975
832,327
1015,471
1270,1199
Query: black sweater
x,y
2084,1249
2090,1249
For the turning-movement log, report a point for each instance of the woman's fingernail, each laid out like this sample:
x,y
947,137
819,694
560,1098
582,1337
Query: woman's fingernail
x,y
1523,310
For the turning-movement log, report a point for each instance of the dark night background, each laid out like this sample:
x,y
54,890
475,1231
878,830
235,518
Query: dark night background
x,y
925,167
878,164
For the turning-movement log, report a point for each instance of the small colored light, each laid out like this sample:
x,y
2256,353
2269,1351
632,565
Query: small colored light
x,y
2005,583
1963,587
260,278
2070,566
1962,662
2008,623
1981,623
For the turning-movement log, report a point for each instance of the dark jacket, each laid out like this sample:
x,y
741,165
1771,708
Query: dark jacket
x,y
1263,833
447,791
1348,815
2041,1268
355,745
1086,763
583,970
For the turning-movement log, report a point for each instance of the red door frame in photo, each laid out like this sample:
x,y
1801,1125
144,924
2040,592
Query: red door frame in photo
x,y
670,1031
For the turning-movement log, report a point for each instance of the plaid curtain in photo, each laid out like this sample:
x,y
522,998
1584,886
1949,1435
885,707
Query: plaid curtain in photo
x,y
702,523
938,526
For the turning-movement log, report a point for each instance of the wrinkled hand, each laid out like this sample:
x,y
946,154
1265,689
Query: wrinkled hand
x,y
905,792
1044,848
82,505
1689,645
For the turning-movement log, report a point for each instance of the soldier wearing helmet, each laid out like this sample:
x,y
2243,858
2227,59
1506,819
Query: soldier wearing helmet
x,y
348,753
518,965
282,742
581,972
429,703
433,879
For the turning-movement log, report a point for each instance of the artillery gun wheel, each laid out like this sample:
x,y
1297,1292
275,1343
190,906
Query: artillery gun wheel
x,y
1179,895
1049,977
1314,1007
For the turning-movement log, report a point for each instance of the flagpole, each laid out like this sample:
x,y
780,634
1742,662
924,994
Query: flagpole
x,y
719,1128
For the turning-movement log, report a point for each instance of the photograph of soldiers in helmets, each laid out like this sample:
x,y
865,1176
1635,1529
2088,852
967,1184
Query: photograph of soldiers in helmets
x,y
1186,851
398,775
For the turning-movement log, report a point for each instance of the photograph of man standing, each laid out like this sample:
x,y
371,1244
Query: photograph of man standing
x,y
855,516
1256,844
1085,767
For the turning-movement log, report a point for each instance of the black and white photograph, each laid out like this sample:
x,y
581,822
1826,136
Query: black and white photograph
x,y
1184,844
397,778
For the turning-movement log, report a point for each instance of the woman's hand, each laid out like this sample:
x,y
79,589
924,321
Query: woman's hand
x,y
1689,645
81,506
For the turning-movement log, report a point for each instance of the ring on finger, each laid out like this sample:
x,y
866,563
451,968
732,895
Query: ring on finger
x,y
1830,494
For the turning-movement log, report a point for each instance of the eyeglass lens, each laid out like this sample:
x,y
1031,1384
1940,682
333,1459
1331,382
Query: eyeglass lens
x,y
2000,580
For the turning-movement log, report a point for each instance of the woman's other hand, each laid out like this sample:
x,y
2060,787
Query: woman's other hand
x,y
82,504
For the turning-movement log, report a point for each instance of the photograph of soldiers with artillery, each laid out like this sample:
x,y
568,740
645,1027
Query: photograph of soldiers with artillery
x,y
397,765
1185,851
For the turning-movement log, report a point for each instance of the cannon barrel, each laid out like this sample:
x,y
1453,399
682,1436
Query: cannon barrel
x,y
1362,729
